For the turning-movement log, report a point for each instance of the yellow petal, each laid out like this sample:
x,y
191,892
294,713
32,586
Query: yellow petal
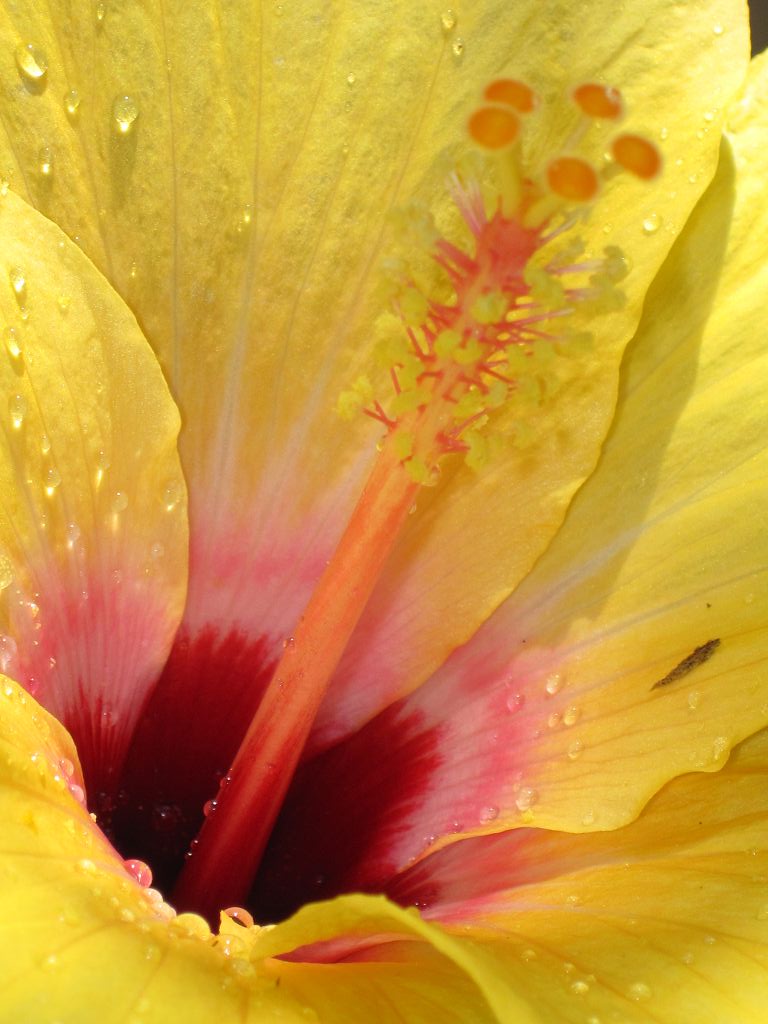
x,y
234,176
636,649
82,941
665,920
93,520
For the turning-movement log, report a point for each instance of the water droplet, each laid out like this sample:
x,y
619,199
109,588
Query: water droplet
x,y
72,101
687,958
489,814
86,866
514,702
448,20
6,571
639,992
651,224
101,10
31,62
119,501
173,492
554,720
209,807
571,715
246,218
525,799
458,48
289,643
588,818
52,480
717,29
18,283
719,747
157,550
351,78
709,116
45,444
125,111
12,342
140,871
693,699
579,987
17,407
664,134
240,916
553,684
63,302
575,749
45,161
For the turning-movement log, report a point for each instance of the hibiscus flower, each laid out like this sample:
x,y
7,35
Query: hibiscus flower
x,y
381,541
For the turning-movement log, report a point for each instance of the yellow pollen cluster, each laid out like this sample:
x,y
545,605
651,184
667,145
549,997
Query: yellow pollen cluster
x,y
499,329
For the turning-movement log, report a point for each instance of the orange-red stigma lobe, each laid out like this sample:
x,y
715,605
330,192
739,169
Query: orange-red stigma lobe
x,y
513,94
598,101
494,127
637,155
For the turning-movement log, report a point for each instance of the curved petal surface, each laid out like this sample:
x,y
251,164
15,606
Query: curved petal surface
x,y
636,649
93,534
232,174
665,920
83,940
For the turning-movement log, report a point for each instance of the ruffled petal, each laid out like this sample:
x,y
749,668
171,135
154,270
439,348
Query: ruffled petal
x,y
84,940
233,175
665,920
93,535
636,649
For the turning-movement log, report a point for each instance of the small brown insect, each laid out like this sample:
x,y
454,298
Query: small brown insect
x,y
697,657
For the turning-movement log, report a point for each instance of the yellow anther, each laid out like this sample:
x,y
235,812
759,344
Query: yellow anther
x,y
414,307
446,342
403,444
637,155
469,353
511,93
494,127
545,288
573,178
598,101
350,402
489,308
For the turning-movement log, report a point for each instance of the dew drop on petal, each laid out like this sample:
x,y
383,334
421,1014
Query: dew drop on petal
x,y
17,407
52,480
526,798
571,715
639,992
101,10
239,916
125,111
31,62
489,814
448,20
18,282
651,224
575,749
71,101
12,342
553,684
514,702
458,48
140,871
45,161
119,501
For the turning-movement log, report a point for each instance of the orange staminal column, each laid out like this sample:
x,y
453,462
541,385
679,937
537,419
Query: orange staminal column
x,y
229,847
